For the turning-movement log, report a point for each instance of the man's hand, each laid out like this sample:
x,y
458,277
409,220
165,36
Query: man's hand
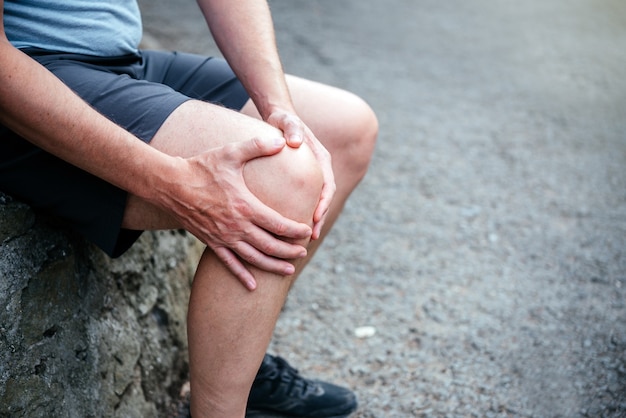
x,y
296,132
216,206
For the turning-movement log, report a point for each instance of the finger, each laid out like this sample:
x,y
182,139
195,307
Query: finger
x,y
259,260
318,221
293,130
245,151
326,197
294,140
317,230
236,267
273,222
322,210
291,125
294,137
269,245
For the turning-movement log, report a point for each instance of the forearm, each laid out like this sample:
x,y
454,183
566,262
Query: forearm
x,y
244,32
36,105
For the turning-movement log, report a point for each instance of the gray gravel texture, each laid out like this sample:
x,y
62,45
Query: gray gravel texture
x,y
487,245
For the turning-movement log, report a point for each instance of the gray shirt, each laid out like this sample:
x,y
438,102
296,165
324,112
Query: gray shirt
x,y
91,27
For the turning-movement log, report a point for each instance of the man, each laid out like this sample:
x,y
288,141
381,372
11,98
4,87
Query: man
x,y
114,140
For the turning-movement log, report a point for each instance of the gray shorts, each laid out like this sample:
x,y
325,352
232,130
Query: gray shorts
x,y
138,92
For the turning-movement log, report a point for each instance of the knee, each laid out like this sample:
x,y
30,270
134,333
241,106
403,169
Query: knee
x,y
290,182
359,138
368,123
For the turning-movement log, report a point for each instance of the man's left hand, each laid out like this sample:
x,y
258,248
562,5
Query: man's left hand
x,y
296,133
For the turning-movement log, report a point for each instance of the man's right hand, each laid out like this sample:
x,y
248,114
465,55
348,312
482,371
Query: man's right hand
x,y
213,202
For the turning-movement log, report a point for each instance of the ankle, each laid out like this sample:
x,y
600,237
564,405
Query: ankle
x,y
216,404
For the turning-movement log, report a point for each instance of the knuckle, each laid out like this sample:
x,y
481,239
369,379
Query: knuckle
x,y
229,152
242,207
251,259
228,262
269,248
281,229
225,256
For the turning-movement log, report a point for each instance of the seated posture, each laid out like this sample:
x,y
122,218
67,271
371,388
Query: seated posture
x,y
114,140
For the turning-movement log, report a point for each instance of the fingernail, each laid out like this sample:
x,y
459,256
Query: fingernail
x,y
295,138
279,142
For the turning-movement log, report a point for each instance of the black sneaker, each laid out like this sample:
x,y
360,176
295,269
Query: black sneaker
x,y
279,389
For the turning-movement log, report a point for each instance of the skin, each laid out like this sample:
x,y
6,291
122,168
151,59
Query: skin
x,y
258,187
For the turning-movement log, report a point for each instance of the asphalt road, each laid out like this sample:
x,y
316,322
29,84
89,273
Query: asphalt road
x,y
487,245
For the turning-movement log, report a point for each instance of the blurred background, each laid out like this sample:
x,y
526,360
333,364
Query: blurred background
x,y
486,248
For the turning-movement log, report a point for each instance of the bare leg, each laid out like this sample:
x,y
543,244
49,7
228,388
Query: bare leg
x,y
229,327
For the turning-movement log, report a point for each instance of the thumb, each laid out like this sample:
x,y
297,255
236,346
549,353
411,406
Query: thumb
x,y
259,147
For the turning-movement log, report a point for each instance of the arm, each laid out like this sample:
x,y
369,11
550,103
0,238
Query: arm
x,y
43,110
244,32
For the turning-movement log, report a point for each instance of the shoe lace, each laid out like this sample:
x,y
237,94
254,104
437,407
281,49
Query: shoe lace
x,y
279,373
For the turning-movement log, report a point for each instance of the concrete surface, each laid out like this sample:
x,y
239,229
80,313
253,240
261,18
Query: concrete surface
x,y
487,246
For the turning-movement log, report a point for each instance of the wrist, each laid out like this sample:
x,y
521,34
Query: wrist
x,y
160,173
279,101
283,107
